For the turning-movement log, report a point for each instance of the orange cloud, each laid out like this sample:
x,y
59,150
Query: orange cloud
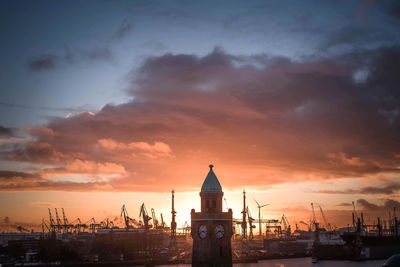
x,y
157,150
260,120
342,158
85,166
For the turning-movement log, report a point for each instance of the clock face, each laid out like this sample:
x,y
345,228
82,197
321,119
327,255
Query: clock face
x,y
203,231
219,231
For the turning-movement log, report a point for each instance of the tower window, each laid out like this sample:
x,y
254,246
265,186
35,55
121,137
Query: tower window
x,y
207,203
214,203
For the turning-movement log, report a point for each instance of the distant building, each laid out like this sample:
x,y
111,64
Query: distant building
x,y
211,228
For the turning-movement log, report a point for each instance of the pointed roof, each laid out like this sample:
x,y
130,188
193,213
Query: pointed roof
x,y
211,183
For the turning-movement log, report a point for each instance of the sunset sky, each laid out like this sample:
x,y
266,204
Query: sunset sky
x,y
104,103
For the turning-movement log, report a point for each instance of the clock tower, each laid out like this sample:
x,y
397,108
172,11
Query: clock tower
x,y
211,227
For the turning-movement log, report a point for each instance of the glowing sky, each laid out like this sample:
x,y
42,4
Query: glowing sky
x,y
110,102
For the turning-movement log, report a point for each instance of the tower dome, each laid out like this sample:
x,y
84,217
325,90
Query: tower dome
x,y
211,183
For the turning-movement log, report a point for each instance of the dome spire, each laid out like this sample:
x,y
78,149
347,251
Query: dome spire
x,y
211,183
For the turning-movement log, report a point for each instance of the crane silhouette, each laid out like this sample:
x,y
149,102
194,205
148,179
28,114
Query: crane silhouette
x,y
259,217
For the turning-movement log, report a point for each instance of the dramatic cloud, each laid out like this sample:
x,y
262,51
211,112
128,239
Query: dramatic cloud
x,y
389,188
261,120
388,204
159,149
9,175
20,181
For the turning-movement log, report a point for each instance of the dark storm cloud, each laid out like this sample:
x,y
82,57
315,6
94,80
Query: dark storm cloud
x,y
71,56
352,35
394,10
4,131
75,55
23,181
369,31
388,204
43,185
269,120
43,62
9,175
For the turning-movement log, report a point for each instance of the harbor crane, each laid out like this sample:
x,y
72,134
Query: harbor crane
x,y
251,226
162,221
64,217
146,218
314,219
328,225
44,225
354,214
52,223
66,224
79,225
155,221
259,217
286,224
107,223
58,220
244,223
127,219
185,228
226,204
93,225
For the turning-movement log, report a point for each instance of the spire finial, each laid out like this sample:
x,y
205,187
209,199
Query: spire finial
x,y
211,166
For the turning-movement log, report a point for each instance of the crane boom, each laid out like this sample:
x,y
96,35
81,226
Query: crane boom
x,y
328,226
52,224
124,213
64,217
145,216
226,203
250,219
313,213
58,220
155,221
162,221
354,214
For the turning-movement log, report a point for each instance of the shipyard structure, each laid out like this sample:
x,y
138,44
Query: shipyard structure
x,y
213,238
211,228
